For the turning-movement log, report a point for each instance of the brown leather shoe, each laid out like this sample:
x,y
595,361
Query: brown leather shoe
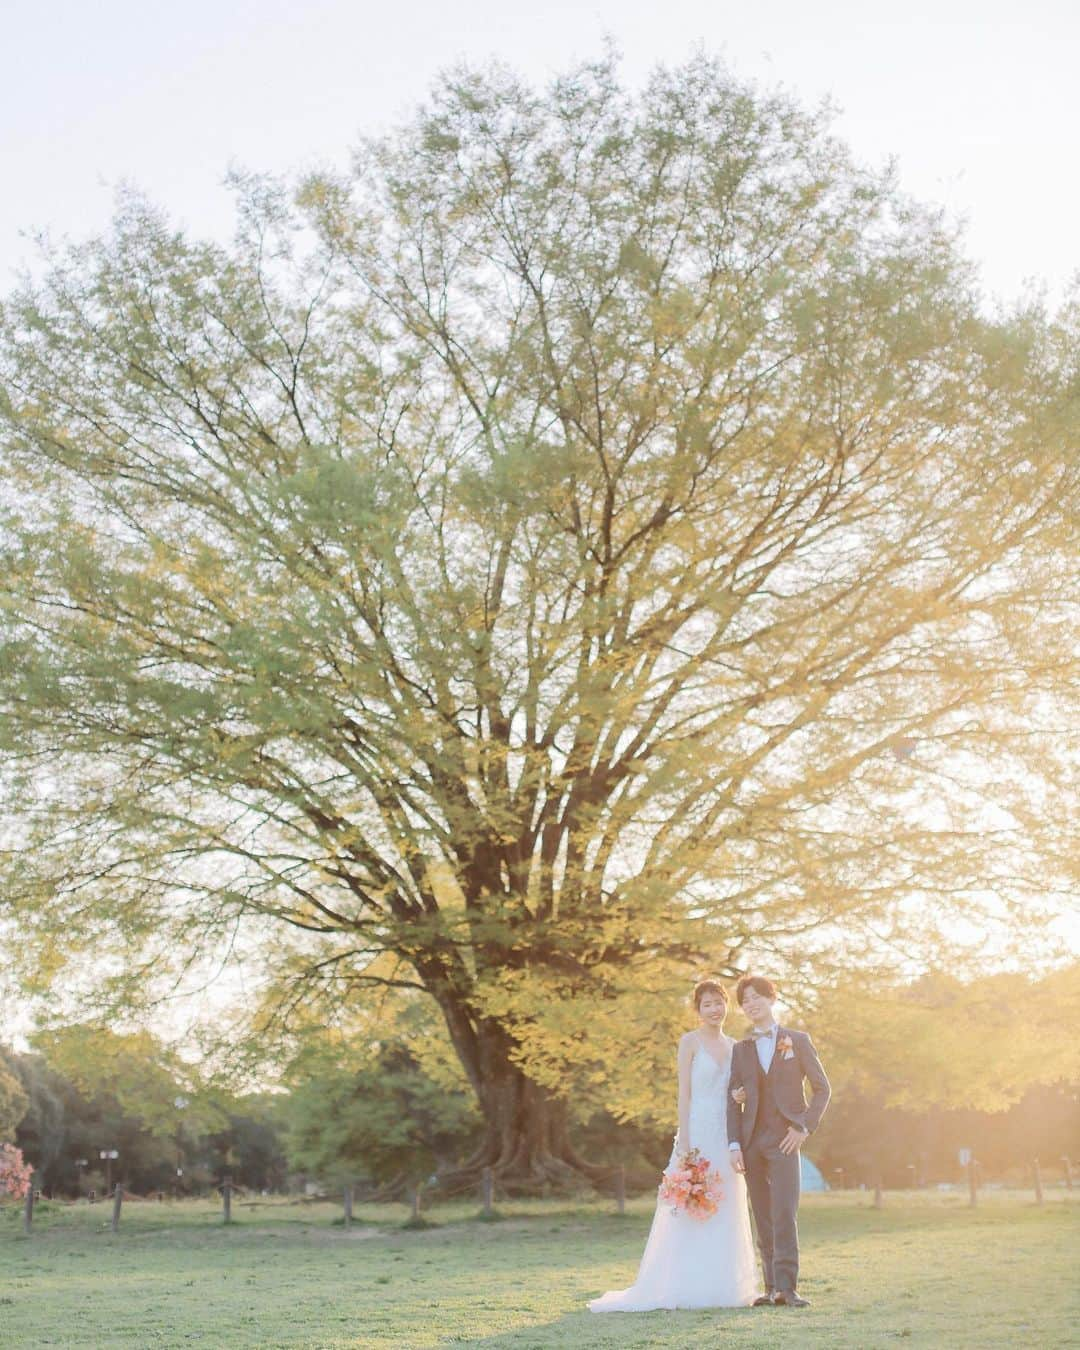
x,y
788,1298
765,1301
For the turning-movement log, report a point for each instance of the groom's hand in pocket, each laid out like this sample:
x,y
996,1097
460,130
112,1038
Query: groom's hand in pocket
x,y
792,1141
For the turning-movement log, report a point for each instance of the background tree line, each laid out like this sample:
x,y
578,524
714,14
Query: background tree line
x,y
386,1104
88,1091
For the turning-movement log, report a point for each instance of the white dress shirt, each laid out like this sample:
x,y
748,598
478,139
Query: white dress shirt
x,y
766,1048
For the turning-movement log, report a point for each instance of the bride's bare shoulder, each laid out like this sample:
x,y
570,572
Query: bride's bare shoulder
x,y
688,1040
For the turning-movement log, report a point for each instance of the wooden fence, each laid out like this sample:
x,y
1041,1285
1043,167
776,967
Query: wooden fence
x,y
487,1191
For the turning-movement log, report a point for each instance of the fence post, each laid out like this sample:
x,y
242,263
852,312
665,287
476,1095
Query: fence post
x,y
416,1200
1067,1165
973,1183
348,1203
620,1188
28,1211
487,1191
879,1195
1037,1176
118,1200
226,1198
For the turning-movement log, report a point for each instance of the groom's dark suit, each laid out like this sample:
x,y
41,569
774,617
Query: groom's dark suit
x,y
775,1100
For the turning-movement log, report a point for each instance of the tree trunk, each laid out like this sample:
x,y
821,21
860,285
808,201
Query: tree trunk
x,y
526,1139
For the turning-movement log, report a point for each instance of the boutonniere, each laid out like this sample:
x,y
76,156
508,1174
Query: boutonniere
x,y
784,1045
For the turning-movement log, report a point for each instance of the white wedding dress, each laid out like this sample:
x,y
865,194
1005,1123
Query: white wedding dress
x,y
698,1263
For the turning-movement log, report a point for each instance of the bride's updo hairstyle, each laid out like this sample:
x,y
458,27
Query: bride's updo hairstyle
x,y
704,987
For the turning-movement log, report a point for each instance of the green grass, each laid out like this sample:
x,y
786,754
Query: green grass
x,y
924,1271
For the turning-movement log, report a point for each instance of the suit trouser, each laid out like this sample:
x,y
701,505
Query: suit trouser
x,y
773,1180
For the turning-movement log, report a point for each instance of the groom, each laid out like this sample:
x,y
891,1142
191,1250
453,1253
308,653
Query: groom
x,y
766,1127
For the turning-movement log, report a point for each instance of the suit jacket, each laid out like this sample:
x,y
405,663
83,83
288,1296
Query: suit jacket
x,y
785,1078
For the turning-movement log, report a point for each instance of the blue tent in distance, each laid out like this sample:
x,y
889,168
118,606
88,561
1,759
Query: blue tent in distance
x,y
810,1175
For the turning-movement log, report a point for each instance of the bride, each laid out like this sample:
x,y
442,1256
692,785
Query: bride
x,y
689,1262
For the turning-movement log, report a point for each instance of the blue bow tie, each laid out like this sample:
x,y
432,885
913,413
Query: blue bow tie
x,y
757,1035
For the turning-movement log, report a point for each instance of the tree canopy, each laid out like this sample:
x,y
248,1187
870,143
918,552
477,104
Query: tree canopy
x,y
377,1116
148,1082
942,1042
602,536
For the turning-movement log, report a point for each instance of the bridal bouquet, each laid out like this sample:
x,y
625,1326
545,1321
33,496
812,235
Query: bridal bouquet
x,y
690,1187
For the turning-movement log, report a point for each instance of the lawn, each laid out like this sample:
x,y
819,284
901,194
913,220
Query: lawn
x,y
925,1270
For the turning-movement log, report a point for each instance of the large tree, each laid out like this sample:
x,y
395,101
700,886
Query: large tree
x,y
601,535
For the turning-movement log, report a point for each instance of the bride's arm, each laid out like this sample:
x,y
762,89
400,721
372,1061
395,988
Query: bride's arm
x,y
686,1058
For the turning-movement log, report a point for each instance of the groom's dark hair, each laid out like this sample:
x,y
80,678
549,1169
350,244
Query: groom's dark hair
x,y
758,983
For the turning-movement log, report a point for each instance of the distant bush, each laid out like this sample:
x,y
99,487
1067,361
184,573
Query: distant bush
x,y
15,1172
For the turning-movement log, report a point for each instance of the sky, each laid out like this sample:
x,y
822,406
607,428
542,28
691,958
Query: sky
x,y
979,101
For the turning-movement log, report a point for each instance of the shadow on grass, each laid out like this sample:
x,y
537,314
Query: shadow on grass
x,y
585,1328
576,1212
